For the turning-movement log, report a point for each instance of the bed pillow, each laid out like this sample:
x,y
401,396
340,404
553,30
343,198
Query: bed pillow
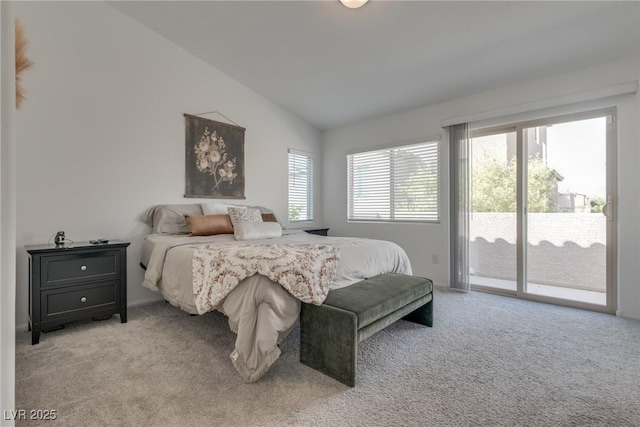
x,y
257,230
214,208
169,219
208,225
269,217
240,215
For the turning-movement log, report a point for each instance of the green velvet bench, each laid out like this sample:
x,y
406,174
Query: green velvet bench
x,y
330,333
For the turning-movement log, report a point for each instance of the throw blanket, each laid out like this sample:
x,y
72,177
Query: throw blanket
x,y
305,270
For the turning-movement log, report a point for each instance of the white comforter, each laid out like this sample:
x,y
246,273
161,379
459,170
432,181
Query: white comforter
x,y
260,311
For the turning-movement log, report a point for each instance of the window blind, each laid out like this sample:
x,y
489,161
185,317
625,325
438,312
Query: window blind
x,y
300,186
394,184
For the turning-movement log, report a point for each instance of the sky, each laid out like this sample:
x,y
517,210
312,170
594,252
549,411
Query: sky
x,y
577,150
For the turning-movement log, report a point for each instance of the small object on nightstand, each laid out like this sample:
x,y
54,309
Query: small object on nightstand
x,y
59,239
76,281
98,241
318,231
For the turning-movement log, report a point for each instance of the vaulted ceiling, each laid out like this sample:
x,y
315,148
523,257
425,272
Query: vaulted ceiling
x,y
331,65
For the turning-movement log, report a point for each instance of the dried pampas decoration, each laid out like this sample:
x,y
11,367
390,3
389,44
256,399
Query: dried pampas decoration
x,y
22,62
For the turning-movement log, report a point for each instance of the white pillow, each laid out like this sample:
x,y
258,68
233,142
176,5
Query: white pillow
x,y
240,215
214,208
257,230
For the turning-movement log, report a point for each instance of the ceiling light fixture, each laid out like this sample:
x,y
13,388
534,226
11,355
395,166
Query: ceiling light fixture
x,y
353,4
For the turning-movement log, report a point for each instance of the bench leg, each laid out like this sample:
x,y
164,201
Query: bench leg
x,y
423,315
329,341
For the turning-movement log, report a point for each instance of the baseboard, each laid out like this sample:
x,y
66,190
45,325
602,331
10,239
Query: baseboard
x,y
22,327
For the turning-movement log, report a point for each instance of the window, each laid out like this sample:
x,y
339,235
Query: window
x,y
300,186
394,184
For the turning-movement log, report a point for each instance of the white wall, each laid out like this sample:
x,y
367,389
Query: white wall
x,y
101,134
422,241
7,214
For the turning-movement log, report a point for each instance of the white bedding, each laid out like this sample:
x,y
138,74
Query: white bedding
x,y
260,311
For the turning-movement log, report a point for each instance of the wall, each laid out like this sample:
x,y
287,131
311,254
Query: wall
x,y
7,214
423,241
101,134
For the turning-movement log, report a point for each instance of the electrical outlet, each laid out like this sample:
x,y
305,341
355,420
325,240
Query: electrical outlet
x,y
435,259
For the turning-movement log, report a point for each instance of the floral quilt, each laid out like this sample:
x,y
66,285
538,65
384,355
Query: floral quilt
x,y
305,270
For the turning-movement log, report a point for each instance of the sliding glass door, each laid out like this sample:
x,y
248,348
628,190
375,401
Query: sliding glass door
x,y
493,222
542,224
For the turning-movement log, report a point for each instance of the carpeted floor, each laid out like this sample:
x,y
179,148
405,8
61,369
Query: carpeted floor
x,y
488,361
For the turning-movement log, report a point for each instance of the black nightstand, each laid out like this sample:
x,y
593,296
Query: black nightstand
x,y
76,281
318,231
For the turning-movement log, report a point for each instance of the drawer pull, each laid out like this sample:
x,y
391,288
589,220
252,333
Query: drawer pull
x,y
83,268
83,299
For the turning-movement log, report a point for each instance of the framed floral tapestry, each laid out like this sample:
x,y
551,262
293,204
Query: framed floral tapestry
x,y
214,159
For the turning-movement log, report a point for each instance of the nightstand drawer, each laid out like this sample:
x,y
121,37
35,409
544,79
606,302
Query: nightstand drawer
x,y
67,269
64,301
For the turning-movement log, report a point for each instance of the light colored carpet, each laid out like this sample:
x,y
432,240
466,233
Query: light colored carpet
x,y
488,361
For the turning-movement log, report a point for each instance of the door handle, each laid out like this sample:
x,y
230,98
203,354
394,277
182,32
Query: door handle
x,y
606,209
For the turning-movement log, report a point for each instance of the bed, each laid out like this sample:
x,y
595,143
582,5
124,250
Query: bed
x,y
261,311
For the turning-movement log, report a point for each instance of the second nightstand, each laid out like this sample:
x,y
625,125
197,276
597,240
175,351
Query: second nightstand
x,y
76,281
318,231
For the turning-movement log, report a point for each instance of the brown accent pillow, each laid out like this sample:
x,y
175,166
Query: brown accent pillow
x,y
269,217
208,225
